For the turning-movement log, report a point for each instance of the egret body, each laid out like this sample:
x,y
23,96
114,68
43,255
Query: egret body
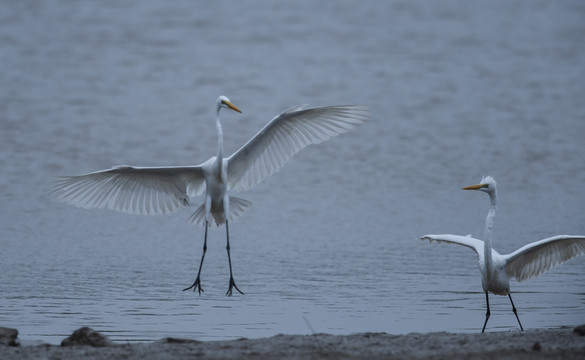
x,y
160,190
527,262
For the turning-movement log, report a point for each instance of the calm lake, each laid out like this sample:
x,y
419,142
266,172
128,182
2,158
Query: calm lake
x,y
457,90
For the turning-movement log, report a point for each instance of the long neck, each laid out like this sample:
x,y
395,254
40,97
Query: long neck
x,y
489,223
219,139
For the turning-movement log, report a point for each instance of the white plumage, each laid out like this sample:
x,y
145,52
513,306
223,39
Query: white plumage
x,y
161,190
133,190
530,260
538,257
286,135
527,262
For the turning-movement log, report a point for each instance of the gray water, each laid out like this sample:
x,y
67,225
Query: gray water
x,y
457,89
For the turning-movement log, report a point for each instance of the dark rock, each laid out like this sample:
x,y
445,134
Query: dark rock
x,y
579,330
8,337
172,340
536,346
88,337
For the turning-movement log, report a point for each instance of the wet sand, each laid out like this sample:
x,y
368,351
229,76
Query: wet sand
x,y
557,343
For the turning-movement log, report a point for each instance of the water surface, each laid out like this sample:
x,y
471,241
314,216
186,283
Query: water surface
x,y
457,89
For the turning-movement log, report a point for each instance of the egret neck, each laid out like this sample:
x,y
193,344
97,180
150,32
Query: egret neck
x,y
489,224
219,158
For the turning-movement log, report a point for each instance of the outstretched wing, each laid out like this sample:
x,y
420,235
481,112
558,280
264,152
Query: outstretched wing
x,y
135,190
535,258
472,243
286,135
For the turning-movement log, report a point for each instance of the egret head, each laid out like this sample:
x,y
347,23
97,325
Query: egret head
x,y
224,102
487,185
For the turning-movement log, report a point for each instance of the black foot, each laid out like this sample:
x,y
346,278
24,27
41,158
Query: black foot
x,y
196,286
233,285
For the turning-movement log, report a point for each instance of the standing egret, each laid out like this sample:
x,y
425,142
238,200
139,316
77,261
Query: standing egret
x,y
527,262
160,190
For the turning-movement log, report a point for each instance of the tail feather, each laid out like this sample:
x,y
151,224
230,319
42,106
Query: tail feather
x,y
198,216
237,208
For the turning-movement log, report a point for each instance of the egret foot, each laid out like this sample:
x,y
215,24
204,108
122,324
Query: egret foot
x,y
196,286
233,285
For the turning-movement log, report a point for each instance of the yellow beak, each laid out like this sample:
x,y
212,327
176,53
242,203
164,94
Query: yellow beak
x,y
232,106
475,187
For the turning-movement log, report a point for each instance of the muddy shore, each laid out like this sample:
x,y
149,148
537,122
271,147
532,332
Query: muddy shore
x,y
565,343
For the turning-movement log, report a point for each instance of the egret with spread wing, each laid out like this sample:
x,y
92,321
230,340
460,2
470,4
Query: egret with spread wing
x,y
527,262
160,190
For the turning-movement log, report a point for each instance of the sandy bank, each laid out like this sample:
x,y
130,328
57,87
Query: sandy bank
x,y
535,344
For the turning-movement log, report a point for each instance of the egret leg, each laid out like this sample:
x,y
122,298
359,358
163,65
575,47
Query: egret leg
x,y
487,314
227,247
515,312
197,284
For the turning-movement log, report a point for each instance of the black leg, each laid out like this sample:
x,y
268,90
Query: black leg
x,y
227,247
515,312
487,314
197,284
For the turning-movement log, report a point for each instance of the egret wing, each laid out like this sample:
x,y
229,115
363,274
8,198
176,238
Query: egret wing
x,y
286,135
475,244
540,256
135,190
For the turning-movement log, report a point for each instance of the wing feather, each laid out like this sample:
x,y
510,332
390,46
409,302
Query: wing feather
x,y
472,243
540,256
135,190
286,135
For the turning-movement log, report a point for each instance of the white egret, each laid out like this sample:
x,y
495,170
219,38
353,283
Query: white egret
x,y
527,262
159,190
